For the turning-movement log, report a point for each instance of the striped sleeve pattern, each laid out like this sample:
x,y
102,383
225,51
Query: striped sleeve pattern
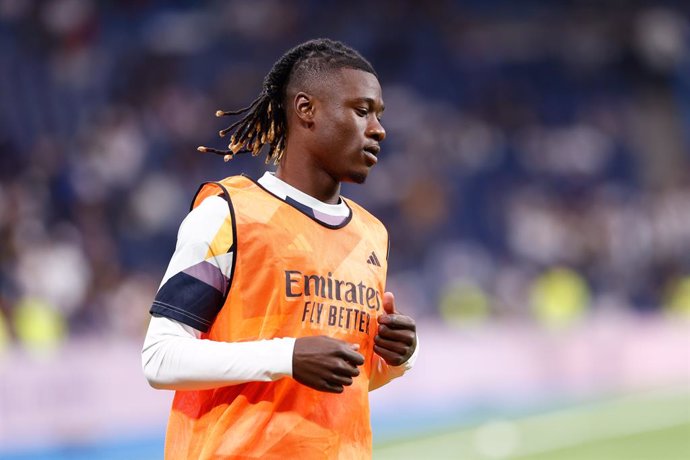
x,y
198,277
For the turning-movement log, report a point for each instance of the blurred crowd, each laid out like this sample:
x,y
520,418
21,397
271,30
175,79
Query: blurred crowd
x,y
536,166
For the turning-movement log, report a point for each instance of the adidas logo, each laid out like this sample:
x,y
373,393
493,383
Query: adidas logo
x,y
373,260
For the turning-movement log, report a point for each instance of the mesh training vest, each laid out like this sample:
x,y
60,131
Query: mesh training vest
x,y
293,277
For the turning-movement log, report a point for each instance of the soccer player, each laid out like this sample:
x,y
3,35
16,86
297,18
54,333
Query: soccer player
x,y
271,321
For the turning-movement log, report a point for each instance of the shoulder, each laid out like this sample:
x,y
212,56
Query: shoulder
x,y
217,188
229,188
240,182
211,207
369,224
204,220
363,214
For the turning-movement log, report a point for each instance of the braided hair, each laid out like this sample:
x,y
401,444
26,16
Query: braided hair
x,y
264,120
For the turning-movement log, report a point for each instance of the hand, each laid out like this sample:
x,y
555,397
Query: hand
x,y
397,337
324,363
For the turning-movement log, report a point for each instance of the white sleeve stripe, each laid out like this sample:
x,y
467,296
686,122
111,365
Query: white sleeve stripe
x,y
223,262
196,235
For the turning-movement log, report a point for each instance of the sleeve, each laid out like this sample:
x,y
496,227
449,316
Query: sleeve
x,y
198,277
174,357
382,372
193,290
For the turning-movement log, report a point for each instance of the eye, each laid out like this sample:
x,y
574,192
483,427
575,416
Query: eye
x,y
362,111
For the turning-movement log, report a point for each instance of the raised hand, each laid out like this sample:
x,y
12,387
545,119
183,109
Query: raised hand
x,y
324,363
397,337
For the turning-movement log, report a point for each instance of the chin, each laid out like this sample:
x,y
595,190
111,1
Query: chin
x,y
358,177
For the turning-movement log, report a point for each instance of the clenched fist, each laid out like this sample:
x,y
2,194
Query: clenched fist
x,y
397,337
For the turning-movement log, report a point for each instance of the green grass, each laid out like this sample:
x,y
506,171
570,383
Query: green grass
x,y
668,444
650,426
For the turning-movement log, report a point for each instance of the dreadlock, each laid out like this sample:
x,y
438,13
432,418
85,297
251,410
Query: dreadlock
x,y
264,120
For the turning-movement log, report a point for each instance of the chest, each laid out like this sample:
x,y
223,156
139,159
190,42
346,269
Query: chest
x,y
295,277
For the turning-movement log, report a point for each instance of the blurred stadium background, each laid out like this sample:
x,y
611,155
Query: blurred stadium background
x,y
535,181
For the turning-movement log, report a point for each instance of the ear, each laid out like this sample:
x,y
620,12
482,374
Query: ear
x,y
303,105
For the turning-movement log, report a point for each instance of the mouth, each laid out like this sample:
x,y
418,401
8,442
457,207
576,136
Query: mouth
x,y
371,152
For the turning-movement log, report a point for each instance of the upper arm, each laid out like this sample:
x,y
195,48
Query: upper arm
x,y
198,277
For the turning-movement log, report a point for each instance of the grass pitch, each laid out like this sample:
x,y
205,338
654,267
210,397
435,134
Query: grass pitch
x,y
650,426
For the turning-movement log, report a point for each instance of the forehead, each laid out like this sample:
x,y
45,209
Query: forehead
x,y
354,84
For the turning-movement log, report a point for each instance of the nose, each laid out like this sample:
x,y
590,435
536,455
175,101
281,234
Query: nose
x,y
375,129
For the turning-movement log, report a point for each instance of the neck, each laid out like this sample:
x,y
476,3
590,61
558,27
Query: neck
x,y
298,171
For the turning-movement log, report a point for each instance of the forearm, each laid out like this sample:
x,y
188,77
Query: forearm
x,y
175,358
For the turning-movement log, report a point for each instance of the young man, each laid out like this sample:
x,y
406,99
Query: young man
x,y
271,322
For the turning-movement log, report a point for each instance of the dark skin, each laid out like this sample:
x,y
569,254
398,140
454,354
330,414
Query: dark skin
x,y
334,134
